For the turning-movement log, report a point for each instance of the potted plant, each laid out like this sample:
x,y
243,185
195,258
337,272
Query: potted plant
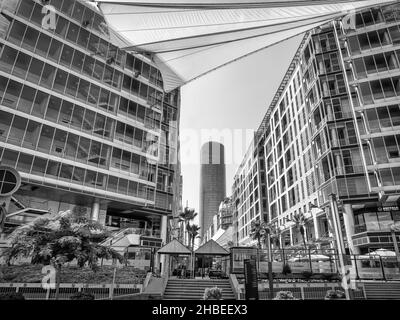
x,y
212,294
285,295
335,295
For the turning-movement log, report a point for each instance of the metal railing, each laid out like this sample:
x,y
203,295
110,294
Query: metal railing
x,y
35,291
306,291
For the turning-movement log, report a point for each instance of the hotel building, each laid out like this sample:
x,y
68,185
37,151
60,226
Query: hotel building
x,y
86,124
333,129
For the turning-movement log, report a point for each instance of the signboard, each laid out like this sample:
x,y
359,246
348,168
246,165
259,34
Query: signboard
x,y
251,281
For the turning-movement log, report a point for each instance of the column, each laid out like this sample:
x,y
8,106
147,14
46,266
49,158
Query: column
x,y
348,218
316,225
95,210
291,236
163,259
338,160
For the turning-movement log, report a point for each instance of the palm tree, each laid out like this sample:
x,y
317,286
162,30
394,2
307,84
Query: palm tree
x,y
275,234
193,231
60,239
257,232
261,232
185,217
300,224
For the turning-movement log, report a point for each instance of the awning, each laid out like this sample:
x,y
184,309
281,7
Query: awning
x,y
189,39
174,247
211,248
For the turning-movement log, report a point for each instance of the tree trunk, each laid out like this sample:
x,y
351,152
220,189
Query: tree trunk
x,y
305,247
58,280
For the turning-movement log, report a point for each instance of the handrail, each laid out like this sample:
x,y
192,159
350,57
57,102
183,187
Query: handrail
x,y
147,280
25,210
164,284
235,285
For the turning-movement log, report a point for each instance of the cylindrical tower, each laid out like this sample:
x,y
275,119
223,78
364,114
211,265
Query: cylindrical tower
x,y
212,182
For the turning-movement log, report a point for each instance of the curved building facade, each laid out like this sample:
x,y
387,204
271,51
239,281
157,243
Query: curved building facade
x,y
84,121
212,182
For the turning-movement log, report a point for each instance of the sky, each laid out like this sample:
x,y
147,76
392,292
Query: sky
x,y
231,101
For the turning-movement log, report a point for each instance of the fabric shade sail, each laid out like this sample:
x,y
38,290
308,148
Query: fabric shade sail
x,y
191,38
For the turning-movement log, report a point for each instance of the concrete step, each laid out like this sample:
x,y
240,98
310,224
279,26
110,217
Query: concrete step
x,y
191,289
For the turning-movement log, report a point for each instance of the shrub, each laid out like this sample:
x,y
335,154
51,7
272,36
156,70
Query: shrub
x,y
327,276
12,296
82,296
307,275
284,295
286,269
334,294
212,293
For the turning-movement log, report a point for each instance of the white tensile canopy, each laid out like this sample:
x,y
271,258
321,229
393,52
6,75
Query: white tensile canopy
x,y
191,38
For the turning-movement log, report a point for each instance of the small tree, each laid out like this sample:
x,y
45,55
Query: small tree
x,y
193,231
300,223
185,217
61,239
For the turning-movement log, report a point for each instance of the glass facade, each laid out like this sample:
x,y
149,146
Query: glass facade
x,y
333,128
248,194
81,116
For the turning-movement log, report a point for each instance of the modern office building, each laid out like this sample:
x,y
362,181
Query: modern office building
x,y
212,182
249,193
87,125
333,129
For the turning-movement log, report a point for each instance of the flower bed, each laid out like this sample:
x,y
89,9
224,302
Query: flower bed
x,y
71,274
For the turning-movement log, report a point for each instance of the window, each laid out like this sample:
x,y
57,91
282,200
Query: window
x,y
66,56
78,60
17,32
48,76
55,50
43,45
21,65
39,166
60,81
12,94
30,39
7,59
73,32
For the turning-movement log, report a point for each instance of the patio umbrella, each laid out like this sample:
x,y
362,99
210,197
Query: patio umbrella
x,y
384,253
314,257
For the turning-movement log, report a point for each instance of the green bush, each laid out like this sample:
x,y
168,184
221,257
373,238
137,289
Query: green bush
x,y
73,274
286,269
335,294
284,295
12,296
327,276
307,275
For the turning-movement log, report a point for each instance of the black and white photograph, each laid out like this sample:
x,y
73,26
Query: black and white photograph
x,y
200,155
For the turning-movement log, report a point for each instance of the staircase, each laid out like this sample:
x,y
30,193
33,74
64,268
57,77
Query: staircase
x,y
193,289
382,290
